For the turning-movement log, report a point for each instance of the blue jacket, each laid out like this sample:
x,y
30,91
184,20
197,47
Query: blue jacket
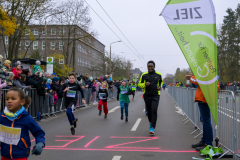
x,y
48,86
26,122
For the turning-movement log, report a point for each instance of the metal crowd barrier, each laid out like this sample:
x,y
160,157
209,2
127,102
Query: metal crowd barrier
x,y
43,105
226,132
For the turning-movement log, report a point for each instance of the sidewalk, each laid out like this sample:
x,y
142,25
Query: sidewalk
x,y
177,135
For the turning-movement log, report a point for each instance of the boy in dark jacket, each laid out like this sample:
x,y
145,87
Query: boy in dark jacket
x,y
71,96
102,95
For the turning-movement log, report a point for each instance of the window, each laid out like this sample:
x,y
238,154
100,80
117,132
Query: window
x,y
53,31
19,47
27,32
86,63
6,39
78,61
52,46
35,45
61,31
35,32
61,45
43,32
27,43
43,58
43,45
6,55
83,62
61,60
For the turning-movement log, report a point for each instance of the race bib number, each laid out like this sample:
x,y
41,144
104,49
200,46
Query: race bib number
x,y
71,94
133,87
10,135
101,95
123,91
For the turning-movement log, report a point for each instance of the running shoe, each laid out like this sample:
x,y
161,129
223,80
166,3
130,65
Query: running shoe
x,y
150,126
89,104
133,99
200,148
73,130
100,113
126,120
75,122
121,117
199,144
105,117
152,131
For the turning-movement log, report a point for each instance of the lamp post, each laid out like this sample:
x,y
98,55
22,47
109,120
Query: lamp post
x,y
111,52
45,52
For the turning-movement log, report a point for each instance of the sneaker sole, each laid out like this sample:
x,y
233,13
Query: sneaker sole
x,y
151,133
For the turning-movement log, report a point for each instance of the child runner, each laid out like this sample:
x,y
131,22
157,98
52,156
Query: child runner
x,y
71,89
124,92
19,122
133,86
102,95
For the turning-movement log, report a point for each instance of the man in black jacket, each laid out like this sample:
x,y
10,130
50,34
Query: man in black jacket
x,y
152,82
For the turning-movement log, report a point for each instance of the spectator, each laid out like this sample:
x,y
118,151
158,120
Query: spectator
x,y
89,93
10,80
99,83
54,75
46,74
17,71
29,78
21,82
55,87
41,91
222,86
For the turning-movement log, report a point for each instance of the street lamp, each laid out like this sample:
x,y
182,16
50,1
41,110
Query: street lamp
x,y
45,54
111,51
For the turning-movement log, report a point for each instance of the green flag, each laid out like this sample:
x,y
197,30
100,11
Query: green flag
x,y
193,25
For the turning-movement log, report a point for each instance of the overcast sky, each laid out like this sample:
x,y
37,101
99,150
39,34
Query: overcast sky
x,y
140,22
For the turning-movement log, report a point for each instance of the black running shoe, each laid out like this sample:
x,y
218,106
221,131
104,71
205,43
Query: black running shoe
x,y
100,112
126,120
199,144
75,122
121,117
105,117
200,148
73,130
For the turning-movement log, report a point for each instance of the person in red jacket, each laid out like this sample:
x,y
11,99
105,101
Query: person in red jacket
x,y
17,71
205,116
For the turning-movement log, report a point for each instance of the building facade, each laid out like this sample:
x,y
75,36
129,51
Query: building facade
x,y
68,44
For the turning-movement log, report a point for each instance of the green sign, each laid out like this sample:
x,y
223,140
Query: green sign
x,y
193,24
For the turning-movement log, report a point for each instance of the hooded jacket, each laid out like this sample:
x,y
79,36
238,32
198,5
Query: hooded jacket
x,y
16,73
26,123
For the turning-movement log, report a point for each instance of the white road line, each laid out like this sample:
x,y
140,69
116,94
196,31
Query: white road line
x,y
113,110
136,124
144,110
116,158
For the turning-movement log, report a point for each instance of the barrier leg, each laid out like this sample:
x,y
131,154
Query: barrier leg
x,y
198,134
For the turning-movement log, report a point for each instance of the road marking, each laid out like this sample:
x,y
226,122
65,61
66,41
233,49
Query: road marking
x,y
116,158
144,110
136,124
113,110
91,142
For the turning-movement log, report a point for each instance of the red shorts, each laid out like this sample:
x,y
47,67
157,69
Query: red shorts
x,y
3,158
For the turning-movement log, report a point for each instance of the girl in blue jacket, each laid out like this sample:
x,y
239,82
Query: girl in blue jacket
x,y
15,125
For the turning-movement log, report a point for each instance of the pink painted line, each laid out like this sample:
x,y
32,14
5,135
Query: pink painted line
x,y
136,148
113,146
32,140
130,150
91,141
70,136
71,141
135,137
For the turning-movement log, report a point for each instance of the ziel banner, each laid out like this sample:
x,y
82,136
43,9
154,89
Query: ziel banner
x,y
193,24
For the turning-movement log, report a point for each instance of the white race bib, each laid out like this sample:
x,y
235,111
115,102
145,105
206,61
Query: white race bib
x,y
123,91
10,135
71,94
101,95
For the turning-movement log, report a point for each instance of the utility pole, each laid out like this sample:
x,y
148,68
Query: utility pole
x,y
110,65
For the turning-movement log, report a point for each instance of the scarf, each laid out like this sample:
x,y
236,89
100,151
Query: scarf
x,y
12,116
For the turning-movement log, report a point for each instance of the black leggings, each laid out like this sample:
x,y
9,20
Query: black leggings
x,y
152,107
133,94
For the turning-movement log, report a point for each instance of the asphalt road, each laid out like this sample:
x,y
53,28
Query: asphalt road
x,y
113,139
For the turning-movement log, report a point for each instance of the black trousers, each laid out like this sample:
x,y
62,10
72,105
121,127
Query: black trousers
x,y
152,107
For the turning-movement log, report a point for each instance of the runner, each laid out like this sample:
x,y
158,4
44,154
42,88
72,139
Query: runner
x,y
152,82
133,86
102,95
123,96
17,122
71,90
